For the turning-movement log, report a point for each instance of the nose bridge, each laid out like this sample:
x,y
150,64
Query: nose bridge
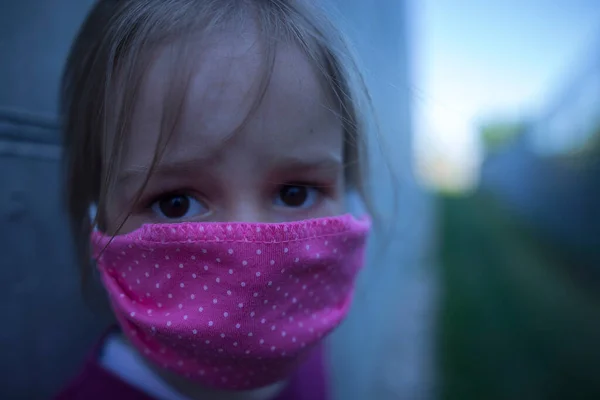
x,y
246,208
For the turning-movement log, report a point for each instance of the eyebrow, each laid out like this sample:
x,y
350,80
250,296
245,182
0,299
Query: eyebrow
x,y
306,163
176,167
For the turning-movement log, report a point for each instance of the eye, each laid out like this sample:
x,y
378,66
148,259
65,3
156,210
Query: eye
x,y
297,196
178,206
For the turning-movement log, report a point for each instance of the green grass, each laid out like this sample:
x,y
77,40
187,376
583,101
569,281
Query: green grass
x,y
514,323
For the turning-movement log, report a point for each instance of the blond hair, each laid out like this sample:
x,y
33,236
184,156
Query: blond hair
x,y
113,48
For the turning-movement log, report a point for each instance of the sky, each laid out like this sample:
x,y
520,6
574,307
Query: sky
x,y
480,59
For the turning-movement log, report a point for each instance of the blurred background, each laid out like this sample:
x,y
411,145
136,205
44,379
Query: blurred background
x,y
487,284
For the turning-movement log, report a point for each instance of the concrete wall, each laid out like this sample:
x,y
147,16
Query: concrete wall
x,y
382,352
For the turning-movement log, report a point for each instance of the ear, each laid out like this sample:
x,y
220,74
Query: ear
x,y
93,211
355,204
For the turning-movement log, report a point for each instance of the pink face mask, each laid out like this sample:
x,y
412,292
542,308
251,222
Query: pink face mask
x,y
232,305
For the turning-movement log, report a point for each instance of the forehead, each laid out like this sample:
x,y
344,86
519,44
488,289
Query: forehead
x,y
222,80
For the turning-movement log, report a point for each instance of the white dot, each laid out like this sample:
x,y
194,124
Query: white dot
x,y
286,250
297,259
147,275
244,262
206,267
235,344
262,341
273,328
255,294
168,276
294,339
230,251
307,247
258,229
218,280
258,252
194,276
250,334
252,314
258,274
262,321
270,283
195,332
204,251
193,257
283,333
185,317
132,314
272,262
218,260
229,293
214,301
226,314
200,309
168,323
237,326
157,285
205,287
180,265
243,284
230,272
180,306
170,295
207,341
159,305
222,335
273,348
156,266
192,296
166,257
210,323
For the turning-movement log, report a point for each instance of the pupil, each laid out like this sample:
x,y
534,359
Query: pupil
x,y
293,196
175,207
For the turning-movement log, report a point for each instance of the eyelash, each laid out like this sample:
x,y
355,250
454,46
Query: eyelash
x,y
147,203
151,199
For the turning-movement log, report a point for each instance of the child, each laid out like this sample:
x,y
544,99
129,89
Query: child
x,y
217,140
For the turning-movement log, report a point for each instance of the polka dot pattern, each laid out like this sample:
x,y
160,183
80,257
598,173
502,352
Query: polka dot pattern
x,y
233,306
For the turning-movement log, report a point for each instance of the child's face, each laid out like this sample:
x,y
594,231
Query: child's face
x,y
285,164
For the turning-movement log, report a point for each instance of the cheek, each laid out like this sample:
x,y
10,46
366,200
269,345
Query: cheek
x,y
117,220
